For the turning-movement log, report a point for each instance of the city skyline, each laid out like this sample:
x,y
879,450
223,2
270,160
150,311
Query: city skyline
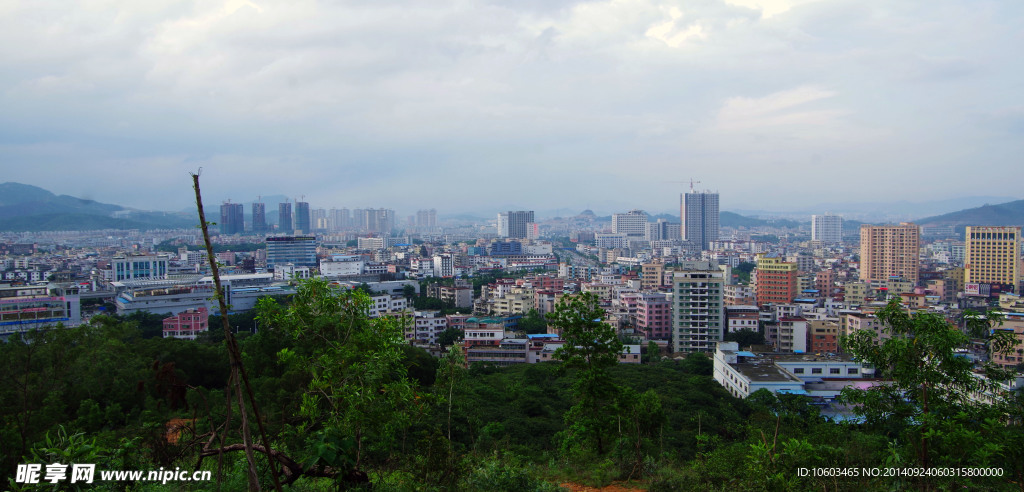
x,y
452,106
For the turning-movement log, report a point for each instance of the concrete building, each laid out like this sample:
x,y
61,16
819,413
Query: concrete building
x,y
259,218
513,223
819,377
1013,323
827,228
633,224
24,308
654,316
139,266
303,220
284,218
776,280
298,250
187,324
231,219
992,256
891,250
698,307
699,214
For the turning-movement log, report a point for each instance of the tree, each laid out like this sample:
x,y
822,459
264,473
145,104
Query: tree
x,y
533,323
932,384
592,347
745,337
359,398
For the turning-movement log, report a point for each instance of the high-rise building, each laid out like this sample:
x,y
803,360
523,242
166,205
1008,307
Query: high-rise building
x,y
339,219
259,218
776,280
284,218
633,224
697,306
426,219
232,220
297,250
303,221
992,256
890,251
380,220
827,228
513,223
699,214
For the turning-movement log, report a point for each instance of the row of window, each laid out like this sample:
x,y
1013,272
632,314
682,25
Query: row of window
x,y
831,370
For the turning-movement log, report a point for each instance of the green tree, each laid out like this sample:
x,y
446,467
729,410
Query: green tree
x,y
592,347
533,323
931,383
745,337
359,399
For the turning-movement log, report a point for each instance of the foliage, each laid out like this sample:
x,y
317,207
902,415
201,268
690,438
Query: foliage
x,y
745,337
932,395
359,399
533,323
591,346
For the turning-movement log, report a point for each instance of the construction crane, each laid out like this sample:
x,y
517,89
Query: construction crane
x,y
691,181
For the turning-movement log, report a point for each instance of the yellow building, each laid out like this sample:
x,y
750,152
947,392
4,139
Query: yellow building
x,y
887,251
992,255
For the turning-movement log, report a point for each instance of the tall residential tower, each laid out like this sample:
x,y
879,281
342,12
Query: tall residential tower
x,y
890,251
699,213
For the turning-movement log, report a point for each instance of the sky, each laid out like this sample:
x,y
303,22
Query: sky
x,y
486,105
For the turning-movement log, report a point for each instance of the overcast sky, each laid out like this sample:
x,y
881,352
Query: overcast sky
x,y
539,104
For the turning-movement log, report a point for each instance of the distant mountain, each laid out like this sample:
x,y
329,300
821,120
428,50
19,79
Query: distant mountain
x,y
27,208
18,200
730,219
1003,214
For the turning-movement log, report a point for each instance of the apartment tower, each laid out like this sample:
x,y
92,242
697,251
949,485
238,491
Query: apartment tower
x,y
699,213
697,306
992,255
827,228
890,251
284,218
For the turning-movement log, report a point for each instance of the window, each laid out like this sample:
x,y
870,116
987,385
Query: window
x,y
816,370
834,370
798,370
852,370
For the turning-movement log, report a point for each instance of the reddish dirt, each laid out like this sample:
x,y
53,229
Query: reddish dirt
x,y
575,487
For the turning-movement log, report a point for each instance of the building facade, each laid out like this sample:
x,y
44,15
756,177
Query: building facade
x,y
992,256
232,220
297,250
890,251
284,218
698,307
699,214
303,221
776,280
827,228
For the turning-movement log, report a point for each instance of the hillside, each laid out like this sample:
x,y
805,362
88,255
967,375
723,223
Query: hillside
x,y
27,208
1003,214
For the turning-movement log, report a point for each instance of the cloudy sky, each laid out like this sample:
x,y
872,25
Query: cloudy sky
x,y
543,104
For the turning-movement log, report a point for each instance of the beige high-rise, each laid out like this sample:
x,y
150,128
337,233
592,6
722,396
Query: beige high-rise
x,y
992,255
891,250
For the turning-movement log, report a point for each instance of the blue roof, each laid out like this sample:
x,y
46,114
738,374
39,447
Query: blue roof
x,y
744,353
793,391
542,335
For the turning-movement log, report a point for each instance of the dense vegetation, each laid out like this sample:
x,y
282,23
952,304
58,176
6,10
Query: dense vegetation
x,y
346,404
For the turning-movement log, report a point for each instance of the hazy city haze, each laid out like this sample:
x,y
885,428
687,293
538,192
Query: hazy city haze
x,y
513,104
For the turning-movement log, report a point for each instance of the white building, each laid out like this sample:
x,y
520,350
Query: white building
x,y
827,228
633,224
134,266
697,307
